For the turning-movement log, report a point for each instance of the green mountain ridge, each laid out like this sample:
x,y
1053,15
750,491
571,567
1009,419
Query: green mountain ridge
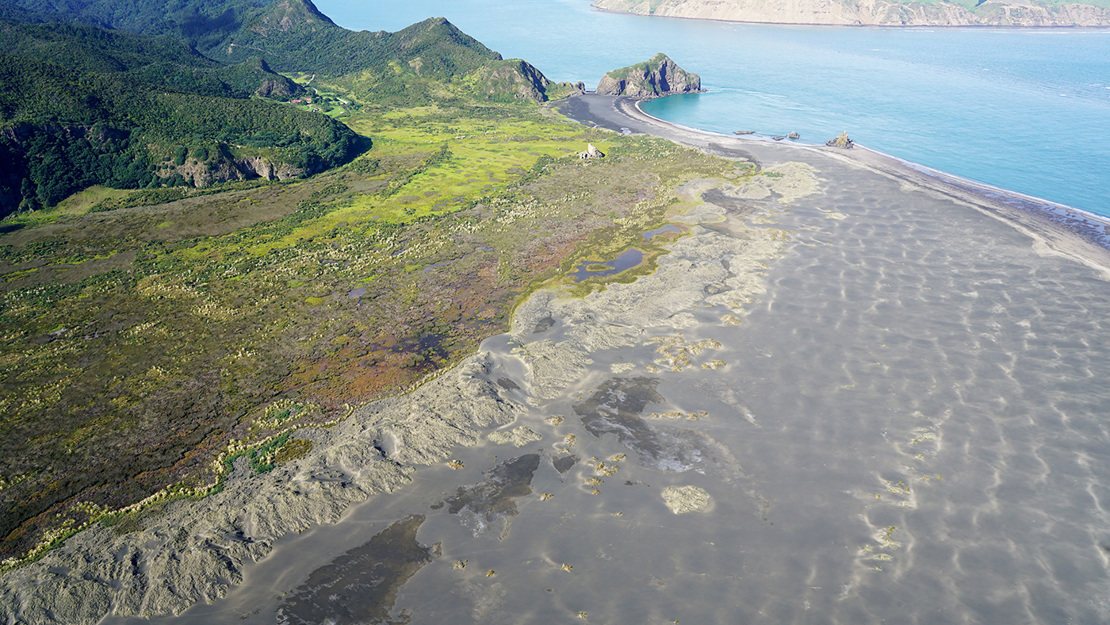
x,y
200,23
161,62
292,38
95,49
66,86
67,89
415,63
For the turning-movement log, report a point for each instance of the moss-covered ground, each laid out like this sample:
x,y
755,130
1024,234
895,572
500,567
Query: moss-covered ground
x,y
142,346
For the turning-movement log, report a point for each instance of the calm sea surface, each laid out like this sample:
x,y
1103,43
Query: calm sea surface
x,y
1020,109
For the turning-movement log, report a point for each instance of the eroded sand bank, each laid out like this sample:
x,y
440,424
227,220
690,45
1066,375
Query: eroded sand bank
x,y
879,400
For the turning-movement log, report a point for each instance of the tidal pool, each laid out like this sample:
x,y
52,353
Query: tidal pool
x,y
602,269
669,228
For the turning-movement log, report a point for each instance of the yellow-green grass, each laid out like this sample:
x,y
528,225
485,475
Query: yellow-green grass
x,y
77,204
252,304
484,157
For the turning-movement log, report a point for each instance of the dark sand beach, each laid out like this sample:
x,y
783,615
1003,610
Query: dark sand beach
x,y
853,391
1080,234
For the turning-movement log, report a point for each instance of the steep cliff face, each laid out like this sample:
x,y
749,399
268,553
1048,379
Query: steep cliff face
x,y
659,76
226,169
257,167
869,12
513,79
1005,14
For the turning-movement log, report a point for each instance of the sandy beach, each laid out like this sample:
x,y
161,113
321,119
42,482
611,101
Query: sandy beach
x,y
1078,234
853,391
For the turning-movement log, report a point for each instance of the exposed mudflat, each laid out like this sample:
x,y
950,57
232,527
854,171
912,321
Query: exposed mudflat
x,y
841,398
493,501
361,585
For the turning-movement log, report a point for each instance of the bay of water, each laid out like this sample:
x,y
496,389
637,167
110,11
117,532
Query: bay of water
x,y
1026,110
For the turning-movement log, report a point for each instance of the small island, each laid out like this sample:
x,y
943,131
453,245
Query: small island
x,y
657,77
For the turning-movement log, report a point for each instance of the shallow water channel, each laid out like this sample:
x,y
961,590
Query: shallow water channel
x,y
908,426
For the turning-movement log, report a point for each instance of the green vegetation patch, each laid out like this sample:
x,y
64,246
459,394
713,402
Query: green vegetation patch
x,y
139,345
83,107
167,308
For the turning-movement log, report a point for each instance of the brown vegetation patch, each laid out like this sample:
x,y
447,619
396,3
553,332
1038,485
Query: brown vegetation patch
x,y
137,345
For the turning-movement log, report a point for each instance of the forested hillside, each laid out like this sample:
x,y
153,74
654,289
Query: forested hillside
x,y
427,60
82,105
293,35
201,23
161,62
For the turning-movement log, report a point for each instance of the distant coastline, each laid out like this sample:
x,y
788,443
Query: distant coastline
x,y
598,9
1057,228
885,14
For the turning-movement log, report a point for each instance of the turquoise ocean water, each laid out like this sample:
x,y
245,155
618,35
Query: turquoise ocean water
x,y
1026,110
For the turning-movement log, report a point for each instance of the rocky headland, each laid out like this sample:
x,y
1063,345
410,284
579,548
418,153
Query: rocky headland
x,y
659,76
871,12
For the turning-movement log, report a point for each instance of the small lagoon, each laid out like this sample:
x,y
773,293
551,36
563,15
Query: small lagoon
x,y
601,269
669,228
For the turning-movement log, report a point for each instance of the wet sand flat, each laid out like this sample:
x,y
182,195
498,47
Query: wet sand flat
x,y
907,426
844,396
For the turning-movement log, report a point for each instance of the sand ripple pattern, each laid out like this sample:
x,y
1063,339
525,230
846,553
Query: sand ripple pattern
x,y
890,409
947,388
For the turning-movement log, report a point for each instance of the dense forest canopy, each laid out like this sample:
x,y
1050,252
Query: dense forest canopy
x,y
83,106
201,23
108,92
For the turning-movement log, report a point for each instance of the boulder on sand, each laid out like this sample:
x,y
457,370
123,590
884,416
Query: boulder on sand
x,y
840,142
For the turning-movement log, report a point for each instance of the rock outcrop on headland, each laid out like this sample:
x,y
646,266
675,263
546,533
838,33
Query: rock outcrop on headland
x,y
515,79
871,12
841,141
658,77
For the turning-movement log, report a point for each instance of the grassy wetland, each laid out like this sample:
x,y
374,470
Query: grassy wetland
x,y
147,338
